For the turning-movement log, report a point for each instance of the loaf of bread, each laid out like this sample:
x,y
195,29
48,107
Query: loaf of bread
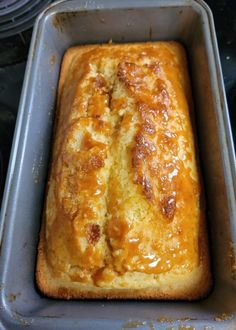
x,y
124,212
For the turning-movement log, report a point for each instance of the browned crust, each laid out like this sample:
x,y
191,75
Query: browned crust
x,y
51,289
67,60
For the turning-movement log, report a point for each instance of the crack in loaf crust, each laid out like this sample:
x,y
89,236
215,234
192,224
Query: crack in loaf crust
x,y
124,216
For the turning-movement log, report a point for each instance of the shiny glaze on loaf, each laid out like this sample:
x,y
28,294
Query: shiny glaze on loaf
x,y
124,192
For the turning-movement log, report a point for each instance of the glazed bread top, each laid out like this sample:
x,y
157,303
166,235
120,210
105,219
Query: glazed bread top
x,y
124,192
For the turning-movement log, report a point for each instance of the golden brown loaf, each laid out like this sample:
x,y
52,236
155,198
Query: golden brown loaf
x,y
124,216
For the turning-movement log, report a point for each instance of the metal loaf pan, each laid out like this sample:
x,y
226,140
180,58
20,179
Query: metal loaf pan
x,y
60,26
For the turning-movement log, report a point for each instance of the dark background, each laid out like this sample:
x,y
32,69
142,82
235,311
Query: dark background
x,y
224,12
13,56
